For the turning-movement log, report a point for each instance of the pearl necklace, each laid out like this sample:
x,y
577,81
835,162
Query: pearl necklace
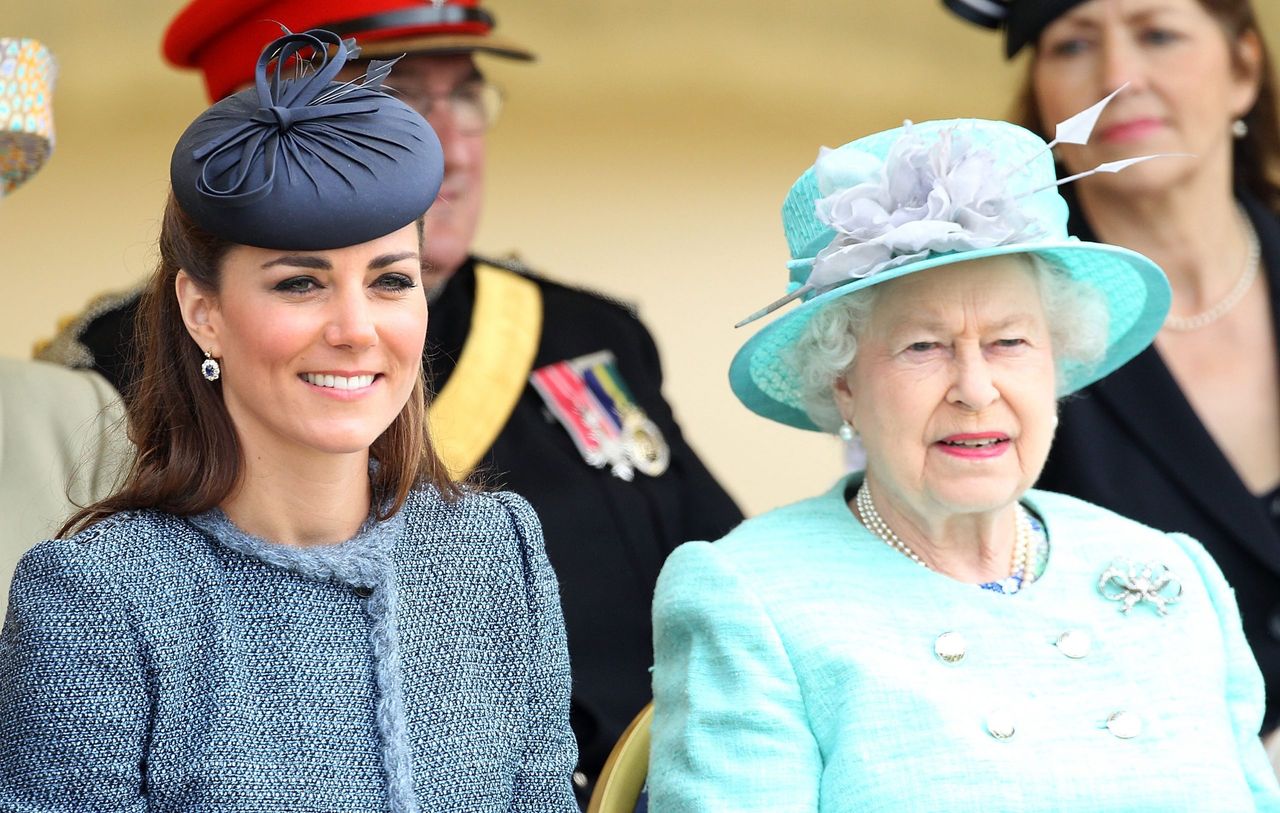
x,y
871,518
1183,324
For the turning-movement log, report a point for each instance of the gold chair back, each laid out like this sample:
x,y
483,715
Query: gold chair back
x,y
624,773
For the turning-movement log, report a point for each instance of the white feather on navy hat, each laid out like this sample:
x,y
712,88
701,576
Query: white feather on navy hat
x,y
300,162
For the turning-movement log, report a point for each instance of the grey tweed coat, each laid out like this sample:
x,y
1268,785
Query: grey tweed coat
x,y
157,663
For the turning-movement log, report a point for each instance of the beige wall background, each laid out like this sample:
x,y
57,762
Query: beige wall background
x,y
646,154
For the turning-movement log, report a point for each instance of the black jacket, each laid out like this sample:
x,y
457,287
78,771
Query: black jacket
x,y
1132,443
605,537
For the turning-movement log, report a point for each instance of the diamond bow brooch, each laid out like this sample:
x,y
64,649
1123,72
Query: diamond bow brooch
x,y
1132,583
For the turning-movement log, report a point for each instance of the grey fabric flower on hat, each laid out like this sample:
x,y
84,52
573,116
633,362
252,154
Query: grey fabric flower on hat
x,y
926,197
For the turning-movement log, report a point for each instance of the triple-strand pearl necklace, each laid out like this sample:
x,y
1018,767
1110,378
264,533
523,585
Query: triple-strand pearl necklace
x,y
875,523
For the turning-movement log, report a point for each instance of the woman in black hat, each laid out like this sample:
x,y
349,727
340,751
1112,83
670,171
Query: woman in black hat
x,y
288,606
1187,436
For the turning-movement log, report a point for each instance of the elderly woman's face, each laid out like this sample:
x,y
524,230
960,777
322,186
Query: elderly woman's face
x,y
1187,83
952,387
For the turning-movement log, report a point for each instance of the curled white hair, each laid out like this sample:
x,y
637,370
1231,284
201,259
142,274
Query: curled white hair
x,y
1075,311
824,352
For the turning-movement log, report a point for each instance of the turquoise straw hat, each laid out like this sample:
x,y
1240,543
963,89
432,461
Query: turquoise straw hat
x,y
924,196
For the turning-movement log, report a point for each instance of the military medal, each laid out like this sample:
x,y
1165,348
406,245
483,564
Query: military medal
x,y
569,400
642,441
592,401
645,445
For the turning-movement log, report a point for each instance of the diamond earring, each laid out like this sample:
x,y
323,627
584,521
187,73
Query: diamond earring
x,y
209,368
1239,128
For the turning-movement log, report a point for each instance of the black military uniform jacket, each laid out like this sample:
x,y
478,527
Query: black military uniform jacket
x,y
1132,443
606,538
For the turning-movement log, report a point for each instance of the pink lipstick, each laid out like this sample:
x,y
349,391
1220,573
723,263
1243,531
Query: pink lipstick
x,y
974,445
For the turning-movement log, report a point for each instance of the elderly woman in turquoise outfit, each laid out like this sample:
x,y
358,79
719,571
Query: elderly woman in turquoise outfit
x,y
932,634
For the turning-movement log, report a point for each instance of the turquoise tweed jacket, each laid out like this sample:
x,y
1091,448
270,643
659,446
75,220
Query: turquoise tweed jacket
x,y
158,664
796,671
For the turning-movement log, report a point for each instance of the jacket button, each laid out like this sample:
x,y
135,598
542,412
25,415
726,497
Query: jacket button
x,y
363,591
950,647
1075,644
1273,623
1124,724
1275,507
1000,724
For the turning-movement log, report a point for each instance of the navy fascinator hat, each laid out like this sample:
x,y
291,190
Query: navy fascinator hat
x,y
300,162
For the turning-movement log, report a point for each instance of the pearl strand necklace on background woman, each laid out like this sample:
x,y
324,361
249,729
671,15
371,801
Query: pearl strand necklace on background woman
x,y
1020,564
1253,260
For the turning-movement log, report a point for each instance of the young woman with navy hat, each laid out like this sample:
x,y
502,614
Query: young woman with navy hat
x,y
495,324
1187,436
288,606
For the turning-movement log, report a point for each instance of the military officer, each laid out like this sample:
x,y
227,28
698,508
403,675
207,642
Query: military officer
x,y
541,388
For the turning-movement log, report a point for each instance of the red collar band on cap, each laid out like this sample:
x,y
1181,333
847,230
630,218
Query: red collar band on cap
x,y
421,19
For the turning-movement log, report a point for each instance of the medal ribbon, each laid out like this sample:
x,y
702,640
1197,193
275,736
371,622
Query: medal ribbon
x,y
607,386
572,402
550,380
591,401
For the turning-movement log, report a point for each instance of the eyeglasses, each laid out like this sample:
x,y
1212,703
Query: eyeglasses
x,y
473,106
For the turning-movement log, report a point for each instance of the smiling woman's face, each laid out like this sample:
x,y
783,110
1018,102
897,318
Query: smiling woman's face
x,y
319,350
952,387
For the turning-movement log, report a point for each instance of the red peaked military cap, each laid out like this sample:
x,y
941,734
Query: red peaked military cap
x,y
222,38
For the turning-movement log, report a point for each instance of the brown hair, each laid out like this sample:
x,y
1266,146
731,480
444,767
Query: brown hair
x,y
1256,157
188,455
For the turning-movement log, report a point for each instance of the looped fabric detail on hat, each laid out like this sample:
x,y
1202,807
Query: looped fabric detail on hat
x,y
302,162
283,104
284,116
